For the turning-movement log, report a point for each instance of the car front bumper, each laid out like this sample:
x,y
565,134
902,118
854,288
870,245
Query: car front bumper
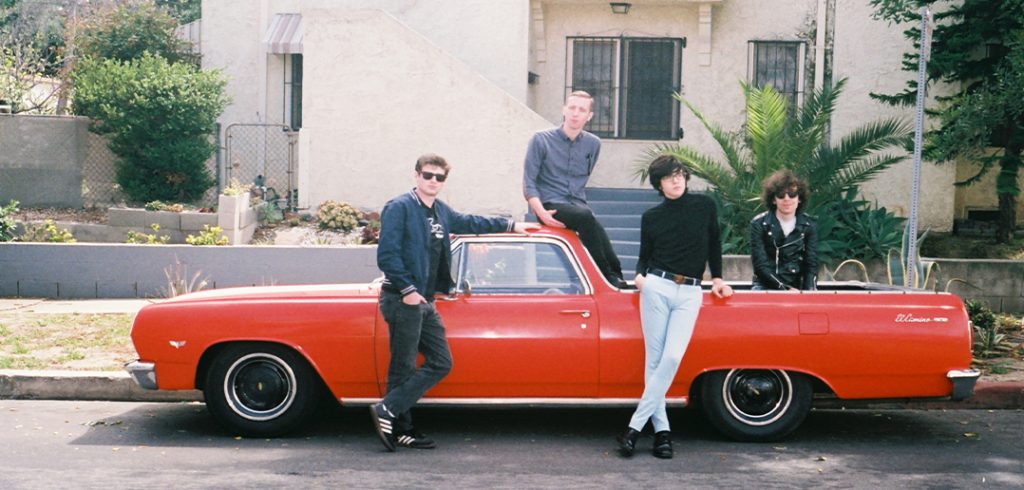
x,y
963,382
144,374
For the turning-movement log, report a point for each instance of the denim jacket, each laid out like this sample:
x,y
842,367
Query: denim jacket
x,y
404,233
784,260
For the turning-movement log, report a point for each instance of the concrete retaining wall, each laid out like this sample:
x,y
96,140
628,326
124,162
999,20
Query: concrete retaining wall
x,y
41,160
92,270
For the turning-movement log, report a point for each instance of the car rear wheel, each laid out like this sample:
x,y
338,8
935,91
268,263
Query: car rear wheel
x,y
756,404
260,390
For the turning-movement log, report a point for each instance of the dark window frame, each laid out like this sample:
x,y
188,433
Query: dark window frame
x,y
293,91
767,59
627,77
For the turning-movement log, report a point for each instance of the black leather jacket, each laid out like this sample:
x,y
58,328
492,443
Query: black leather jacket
x,y
784,261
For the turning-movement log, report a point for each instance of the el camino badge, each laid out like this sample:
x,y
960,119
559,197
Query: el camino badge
x,y
910,318
177,344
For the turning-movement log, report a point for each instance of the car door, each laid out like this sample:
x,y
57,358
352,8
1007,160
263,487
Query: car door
x,y
522,322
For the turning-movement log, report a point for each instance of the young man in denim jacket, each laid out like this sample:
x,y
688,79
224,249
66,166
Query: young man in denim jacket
x,y
414,252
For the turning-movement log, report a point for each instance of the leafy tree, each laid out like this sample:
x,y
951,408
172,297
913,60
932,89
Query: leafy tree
x,y
126,30
977,49
771,140
159,116
31,54
184,11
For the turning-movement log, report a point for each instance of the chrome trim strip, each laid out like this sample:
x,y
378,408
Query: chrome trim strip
x,y
532,402
144,374
963,373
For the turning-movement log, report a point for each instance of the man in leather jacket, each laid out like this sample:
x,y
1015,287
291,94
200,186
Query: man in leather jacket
x,y
784,240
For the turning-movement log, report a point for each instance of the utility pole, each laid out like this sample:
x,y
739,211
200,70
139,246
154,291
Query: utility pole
x,y
910,278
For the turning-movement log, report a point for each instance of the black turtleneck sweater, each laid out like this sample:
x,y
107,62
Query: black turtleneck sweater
x,y
681,236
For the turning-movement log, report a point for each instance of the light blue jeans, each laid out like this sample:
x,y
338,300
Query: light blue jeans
x,y
668,312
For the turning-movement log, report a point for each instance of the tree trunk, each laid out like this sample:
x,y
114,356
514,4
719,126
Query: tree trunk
x,y
1007,190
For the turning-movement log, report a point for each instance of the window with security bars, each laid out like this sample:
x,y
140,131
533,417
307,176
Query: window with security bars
x,y
779,64
632,81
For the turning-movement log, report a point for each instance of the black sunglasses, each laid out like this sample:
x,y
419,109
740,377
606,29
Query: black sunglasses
x,y
432,175
791,194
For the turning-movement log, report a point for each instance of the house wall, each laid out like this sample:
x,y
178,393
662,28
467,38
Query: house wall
x,y
397,98
483,49
870,54
41,160
866,51
360,96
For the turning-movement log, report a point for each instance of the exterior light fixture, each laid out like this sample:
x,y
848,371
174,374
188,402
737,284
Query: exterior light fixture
x,y
620,7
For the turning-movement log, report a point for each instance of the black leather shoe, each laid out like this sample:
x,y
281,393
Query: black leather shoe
x,y
663,445
627,442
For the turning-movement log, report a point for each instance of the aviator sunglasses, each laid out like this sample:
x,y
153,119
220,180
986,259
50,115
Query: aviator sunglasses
x,y
432,175
791,194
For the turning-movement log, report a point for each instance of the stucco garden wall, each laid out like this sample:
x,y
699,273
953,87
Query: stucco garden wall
x,y
41,160
91,270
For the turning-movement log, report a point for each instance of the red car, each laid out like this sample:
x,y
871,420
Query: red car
x,y
533,322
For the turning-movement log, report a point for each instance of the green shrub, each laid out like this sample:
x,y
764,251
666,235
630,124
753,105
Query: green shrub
x,y
7,221
333,215
148,239
208,236
46,232
989,341
160,118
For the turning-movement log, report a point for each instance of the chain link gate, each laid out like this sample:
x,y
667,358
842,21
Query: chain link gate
x,y
264,155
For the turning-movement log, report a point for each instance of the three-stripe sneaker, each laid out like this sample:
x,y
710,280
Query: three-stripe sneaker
x,y
383,421
415,439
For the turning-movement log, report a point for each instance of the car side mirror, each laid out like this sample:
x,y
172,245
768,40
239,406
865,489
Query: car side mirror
x,y
465,288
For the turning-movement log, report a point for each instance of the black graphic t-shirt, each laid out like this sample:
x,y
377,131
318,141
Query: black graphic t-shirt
x,y
435,244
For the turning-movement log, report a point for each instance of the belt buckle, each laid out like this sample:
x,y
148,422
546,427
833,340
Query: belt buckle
x,y
679,279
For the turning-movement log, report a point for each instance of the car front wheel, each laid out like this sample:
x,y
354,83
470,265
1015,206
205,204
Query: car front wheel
x,y
260,390
756,404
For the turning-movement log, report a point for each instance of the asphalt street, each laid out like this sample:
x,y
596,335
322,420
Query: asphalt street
x,y
45,444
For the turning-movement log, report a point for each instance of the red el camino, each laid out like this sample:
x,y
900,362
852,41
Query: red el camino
x,y
533,322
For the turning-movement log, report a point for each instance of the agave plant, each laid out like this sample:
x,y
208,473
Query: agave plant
x,y
772,139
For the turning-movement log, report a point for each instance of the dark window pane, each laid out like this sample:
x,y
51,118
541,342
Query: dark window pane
x,y
593,70
648,87
632,81
296,99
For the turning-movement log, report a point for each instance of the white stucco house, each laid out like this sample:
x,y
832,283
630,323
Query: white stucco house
x,y
366,86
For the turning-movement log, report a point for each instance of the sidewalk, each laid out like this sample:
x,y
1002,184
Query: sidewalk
x,y
118,386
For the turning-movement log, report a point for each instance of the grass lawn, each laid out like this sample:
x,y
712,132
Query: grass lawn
x,y
65,341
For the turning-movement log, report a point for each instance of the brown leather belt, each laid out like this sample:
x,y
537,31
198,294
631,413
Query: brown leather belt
x,y
676,278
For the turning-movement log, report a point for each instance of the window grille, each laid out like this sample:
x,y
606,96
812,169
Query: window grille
x,y
779,64
632,80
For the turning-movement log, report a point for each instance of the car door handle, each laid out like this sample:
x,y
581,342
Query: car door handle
x,y
582,313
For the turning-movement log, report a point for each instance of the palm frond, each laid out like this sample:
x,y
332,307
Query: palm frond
x,y
766,124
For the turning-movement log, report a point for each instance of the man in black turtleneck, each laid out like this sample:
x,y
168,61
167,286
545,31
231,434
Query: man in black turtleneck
x,y
679,238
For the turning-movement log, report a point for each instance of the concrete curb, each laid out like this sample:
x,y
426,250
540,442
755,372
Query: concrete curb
x,y
83,385
117,386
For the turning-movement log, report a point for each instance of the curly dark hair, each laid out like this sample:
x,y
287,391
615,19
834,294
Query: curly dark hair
x,y
781,181
664,166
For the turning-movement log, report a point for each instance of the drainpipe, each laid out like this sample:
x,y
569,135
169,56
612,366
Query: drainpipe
x,y
819,45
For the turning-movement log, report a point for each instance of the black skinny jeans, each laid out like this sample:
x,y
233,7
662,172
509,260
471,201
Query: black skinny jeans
x,y
413,329
581,219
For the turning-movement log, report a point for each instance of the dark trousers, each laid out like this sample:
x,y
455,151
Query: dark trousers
x,y
581,219
413,329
